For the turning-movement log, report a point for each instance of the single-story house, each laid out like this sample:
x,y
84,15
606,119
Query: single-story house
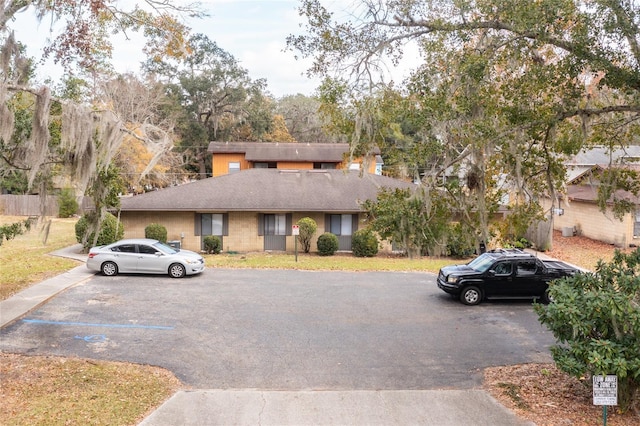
x,y
254,210
578,207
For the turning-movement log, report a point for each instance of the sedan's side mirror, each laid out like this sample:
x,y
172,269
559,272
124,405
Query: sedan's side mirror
x,y
159,253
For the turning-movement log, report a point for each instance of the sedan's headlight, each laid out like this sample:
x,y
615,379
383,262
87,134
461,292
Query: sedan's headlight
x,y
191,261
452,279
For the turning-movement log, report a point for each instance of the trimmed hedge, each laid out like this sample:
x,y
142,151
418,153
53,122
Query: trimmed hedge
x,y
327,244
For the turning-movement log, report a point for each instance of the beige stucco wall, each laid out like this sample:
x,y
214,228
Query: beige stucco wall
x,y
243,229
592,223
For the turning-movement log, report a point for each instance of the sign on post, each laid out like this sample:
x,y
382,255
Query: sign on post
x,y
295,230
605,390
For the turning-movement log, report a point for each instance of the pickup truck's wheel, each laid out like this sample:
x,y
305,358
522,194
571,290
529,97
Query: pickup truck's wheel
x,y
471,295
546,298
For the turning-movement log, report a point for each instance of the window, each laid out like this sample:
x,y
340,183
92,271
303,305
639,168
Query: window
x,y
234,166
636,224
275,224
526,268
146,249
212,224
324,166
262,165
341,224
125,248
503,268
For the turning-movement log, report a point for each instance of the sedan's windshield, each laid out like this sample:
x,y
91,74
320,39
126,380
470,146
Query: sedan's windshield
x,y
481,263
164,248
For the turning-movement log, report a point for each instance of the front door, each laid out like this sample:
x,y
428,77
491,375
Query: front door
x,y
275,232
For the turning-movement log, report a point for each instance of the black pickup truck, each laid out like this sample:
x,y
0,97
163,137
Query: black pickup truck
x,y
509,274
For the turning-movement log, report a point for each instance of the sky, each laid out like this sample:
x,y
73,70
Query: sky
x,y
253,31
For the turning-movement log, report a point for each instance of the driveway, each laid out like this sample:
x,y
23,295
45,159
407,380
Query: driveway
x,y
286,330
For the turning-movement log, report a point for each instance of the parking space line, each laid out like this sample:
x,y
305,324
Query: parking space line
x,y
86,324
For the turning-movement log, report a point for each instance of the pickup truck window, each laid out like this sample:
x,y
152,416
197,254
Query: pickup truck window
x,y
526,268
503,268
481,263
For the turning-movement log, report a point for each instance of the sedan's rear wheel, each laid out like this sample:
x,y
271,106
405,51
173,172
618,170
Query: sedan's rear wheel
x,y
177,270
109,269
471,295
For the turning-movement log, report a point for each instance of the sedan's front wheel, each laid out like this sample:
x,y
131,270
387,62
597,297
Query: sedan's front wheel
x,y
471,295
109,269
177,270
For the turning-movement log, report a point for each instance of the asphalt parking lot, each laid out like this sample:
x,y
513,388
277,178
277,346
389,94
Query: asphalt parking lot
x,y
286,330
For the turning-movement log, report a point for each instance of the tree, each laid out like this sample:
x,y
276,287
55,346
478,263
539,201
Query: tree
x,y
72,135
414,220
508,88
303,119
596,321
219,100
307,229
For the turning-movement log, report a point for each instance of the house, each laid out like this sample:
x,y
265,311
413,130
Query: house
x,y
231,157
577,207
254,210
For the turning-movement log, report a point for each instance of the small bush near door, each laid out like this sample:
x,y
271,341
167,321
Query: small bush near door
x,y
364,243
327,244
156,231
212,244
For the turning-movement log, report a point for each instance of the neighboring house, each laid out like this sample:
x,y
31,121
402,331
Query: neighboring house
x,y
579,208
231,157
254,210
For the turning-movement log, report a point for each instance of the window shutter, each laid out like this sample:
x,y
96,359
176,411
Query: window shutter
x,y
225,224
197,229
354,222
327,223
260,224
289,223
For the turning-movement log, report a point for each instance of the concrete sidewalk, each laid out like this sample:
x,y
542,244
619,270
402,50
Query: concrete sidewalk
x,y
32,297
273,407
255,407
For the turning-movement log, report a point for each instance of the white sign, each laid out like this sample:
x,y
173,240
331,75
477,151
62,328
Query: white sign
x,y
295,230
605,390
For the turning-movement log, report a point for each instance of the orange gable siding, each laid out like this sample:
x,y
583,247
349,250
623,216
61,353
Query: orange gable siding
x,y
220,163
298,165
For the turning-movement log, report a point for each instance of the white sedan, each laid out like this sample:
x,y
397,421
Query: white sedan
x,y
144,256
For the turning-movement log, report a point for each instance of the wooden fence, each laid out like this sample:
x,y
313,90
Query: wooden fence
x,y
30,205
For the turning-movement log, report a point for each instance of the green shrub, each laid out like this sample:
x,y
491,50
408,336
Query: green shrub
x,y
156,231
308,228
596,322
364,243
460,241
67,203
327,244
212,244
9,232
110,230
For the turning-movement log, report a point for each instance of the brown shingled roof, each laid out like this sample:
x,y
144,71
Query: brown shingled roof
x,y
268,190
274,151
